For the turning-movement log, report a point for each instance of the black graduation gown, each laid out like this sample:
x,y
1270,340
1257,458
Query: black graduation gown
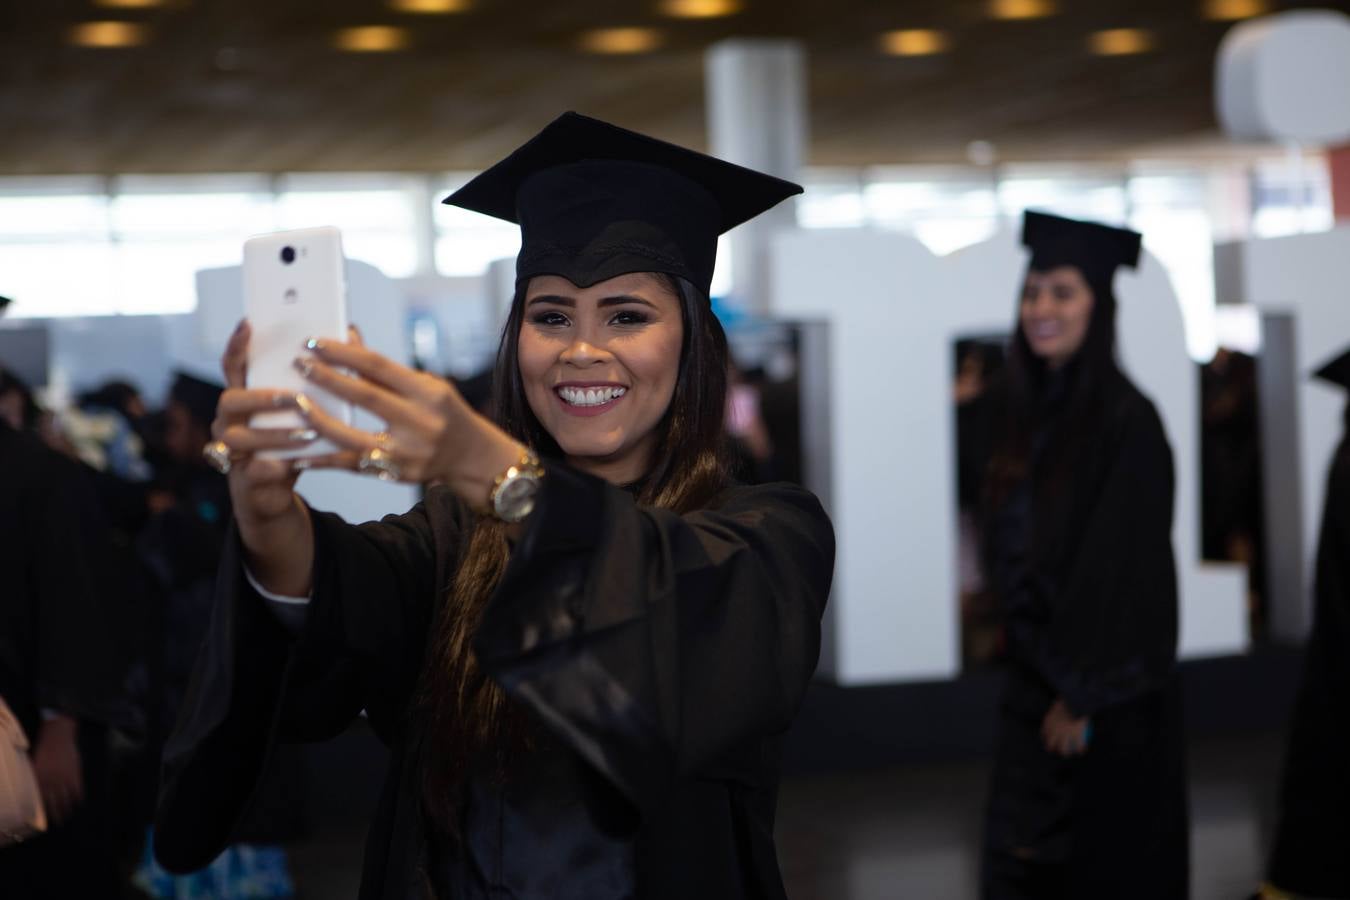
x,y
663,655
55,612
1311,854
1087,584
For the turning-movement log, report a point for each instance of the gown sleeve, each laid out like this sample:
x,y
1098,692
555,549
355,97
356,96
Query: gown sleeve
x,y
256,683
1113,626
650,642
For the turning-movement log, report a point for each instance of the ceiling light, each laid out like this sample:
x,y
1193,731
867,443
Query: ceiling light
x,y
1232,10
1120,42
700,9
1021,9
371,39
621,40
109,34
429,7
915,42
129,4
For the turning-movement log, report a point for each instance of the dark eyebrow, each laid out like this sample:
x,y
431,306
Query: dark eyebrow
x,y
570,302
623,299
555,299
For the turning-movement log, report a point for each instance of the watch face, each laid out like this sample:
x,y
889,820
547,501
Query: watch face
x,y
515,499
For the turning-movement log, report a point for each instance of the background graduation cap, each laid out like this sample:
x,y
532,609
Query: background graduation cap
x,y
1097,250
594,201
197,395
1336,371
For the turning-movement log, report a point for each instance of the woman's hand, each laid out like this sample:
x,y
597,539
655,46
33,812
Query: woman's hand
x,y
432,434
273,524
56,764
1063,734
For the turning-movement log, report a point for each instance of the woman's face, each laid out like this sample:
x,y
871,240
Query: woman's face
x,y
599,366
1055,313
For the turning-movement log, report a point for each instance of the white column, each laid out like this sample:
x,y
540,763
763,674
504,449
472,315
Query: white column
x,y
757,117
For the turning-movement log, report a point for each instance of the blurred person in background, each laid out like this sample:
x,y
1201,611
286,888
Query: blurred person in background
x,y
1230,470
182,545
1311,855
977,365
584,645
753,458
18,407
59,666
1088,794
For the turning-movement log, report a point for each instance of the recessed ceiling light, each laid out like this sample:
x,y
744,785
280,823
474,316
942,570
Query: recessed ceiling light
x,y
1120,42
915,42
1021,9
700,9
130,4
109,34
429,7
371,39
1232,10
621,40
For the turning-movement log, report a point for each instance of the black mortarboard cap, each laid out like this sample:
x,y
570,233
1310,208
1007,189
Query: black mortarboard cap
x,y
594,201
1336,371
197,395
1097,250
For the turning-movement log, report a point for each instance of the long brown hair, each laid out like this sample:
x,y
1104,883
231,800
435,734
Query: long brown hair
x,y
1091,372
471,724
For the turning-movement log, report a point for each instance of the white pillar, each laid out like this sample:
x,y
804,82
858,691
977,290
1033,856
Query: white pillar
x,y
757,117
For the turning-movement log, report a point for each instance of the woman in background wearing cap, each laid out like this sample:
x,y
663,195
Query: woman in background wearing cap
x,y
582,646
1088,795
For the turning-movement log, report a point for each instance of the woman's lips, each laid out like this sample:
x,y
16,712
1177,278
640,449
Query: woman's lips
x,y
590,400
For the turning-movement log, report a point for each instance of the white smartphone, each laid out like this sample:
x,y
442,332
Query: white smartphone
x,y
295,288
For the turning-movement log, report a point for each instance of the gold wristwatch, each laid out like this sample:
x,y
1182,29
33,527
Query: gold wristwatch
x,y
514,491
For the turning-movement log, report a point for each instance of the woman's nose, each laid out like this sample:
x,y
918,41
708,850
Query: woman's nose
x,y
582,352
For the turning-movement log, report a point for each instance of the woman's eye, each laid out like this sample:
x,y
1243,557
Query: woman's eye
x,y
550,318
628,317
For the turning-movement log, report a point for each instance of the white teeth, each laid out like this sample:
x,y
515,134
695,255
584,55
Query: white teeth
x,y
590,396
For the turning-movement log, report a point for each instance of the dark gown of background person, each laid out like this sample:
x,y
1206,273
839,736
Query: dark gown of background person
x,y
658,656
1080,554
56,616
1311,855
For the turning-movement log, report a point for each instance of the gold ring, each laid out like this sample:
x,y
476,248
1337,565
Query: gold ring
x,y
382,440
217,456
379,463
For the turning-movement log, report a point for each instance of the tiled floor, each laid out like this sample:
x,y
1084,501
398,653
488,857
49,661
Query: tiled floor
x,y
913,832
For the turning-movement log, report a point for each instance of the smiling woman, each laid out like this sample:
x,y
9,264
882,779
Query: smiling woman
x,y
584,645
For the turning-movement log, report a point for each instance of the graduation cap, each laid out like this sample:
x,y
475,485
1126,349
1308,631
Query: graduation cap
x,y
1336,371
594,201
197,395
1097,250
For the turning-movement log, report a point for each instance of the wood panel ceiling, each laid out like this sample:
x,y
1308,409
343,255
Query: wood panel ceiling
x,y
254,85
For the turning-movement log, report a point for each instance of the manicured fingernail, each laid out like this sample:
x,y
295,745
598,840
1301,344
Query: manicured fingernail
x,y
303,364
301,464
305,405
313,344
355,332
284,401
240,327
302,434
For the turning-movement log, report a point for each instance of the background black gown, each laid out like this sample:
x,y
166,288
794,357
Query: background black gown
x,y
59,617
1087,582
1311,855
663,656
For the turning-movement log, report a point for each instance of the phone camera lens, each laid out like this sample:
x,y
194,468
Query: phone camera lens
x,y
288,255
